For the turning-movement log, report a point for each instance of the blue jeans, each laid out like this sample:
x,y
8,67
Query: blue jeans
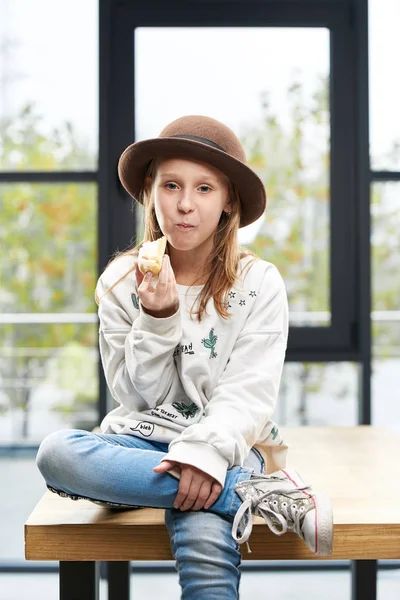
x,y
119,468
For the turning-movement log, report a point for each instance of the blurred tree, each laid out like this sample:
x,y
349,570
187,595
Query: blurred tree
x,y
25,145
293,160
48,261
49,253
73,368
385,241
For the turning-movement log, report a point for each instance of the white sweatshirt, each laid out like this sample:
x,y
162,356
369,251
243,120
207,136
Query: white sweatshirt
x,y
207,389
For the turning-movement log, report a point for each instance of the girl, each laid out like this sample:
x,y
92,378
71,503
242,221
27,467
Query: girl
x,y
194,361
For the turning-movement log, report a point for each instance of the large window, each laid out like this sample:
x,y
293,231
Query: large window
x,y
48,355
281,113
49,85
277,101
48,239
385,211
283,80
48,218
384,48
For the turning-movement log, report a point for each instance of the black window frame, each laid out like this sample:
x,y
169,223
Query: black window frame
x,y
341,341
116,222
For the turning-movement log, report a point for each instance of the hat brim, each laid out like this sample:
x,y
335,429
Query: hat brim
x,y
133,163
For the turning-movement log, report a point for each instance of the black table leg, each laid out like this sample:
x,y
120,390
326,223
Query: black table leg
x,y
79,580
118,575
364,579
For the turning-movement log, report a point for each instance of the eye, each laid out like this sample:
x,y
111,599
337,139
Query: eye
x,y
204,188
171,186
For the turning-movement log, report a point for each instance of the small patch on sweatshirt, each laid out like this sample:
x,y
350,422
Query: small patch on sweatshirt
x,y
210,343
144,427
274,433
186,410
135,301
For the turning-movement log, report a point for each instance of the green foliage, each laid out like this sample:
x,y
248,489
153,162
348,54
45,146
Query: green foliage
x,y
24,146
293,160
73,368
385,259
295,170
48,239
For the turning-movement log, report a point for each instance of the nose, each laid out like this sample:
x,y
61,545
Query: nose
x,y
186,202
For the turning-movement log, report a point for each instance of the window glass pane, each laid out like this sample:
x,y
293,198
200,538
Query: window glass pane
x,y
48,236
388,583
386,304
287,585
48,379
318,394
384,49
277,102
49,85
48,321
24,486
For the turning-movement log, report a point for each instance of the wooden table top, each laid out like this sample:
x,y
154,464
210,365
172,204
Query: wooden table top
x,y
356,466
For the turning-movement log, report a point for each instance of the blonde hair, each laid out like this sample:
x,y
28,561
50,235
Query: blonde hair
x,y
224,259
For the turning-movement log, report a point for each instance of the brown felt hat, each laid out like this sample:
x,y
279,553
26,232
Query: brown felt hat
x,y
203,139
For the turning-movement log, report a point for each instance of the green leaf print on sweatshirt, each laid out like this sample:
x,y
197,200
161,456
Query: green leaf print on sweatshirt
x,y
210,343
135,301
186,410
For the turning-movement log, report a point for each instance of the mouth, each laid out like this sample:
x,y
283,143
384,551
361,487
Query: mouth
x,y
185,226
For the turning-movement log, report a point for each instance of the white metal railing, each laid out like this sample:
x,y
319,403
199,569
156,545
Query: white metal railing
x,y
322,317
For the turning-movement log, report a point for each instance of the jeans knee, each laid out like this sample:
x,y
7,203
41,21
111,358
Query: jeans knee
x,y
50,454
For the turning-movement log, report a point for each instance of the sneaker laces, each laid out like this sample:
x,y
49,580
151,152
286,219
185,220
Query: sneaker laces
x,y
291,519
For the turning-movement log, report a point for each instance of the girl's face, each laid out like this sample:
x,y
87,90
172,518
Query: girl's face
x,y
189,198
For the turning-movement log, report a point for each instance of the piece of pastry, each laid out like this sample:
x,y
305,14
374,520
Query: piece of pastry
x,y
150,256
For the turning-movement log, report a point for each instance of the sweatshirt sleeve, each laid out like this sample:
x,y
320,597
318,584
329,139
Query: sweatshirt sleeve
x,y
136,353
244,399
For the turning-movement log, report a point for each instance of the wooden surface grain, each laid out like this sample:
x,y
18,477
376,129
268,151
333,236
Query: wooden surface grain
x,y
357,467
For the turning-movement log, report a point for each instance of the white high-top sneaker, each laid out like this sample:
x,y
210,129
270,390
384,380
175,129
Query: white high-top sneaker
x,y
286,503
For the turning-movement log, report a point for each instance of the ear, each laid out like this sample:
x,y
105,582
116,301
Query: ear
x,y
228,209
228,206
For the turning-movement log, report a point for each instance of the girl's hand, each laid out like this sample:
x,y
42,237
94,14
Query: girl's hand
x,y
197,489
162,300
